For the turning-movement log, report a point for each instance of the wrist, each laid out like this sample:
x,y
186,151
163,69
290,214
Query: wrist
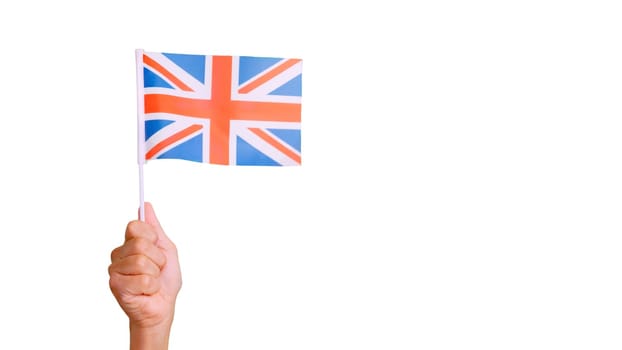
x,y
150,338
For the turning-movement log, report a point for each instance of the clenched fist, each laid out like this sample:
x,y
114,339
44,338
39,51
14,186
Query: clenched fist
x,y
145,279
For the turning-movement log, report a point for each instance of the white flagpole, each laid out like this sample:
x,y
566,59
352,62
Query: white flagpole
x,y
140,93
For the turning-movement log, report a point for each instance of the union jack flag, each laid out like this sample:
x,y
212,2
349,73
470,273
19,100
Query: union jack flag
x,y
230,110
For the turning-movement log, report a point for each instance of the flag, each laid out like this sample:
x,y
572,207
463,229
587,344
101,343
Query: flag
x,y
229,110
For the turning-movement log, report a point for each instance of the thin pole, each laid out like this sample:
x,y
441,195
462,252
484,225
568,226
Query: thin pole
x,y
140,95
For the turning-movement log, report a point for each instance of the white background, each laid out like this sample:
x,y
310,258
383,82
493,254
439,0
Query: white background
x,y
460,187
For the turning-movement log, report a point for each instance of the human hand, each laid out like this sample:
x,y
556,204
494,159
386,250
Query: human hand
x,y
145,279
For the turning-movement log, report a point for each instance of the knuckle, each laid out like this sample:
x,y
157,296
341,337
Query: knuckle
x,y
142,262
113,283
114,253
141,245
132,229
145,281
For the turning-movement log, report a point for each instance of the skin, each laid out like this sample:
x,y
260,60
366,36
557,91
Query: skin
x,y
145,279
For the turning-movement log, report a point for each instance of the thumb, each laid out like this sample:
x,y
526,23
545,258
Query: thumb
x,y
150,216
152,219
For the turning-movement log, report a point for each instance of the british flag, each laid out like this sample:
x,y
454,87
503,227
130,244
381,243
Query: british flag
x,y
230,110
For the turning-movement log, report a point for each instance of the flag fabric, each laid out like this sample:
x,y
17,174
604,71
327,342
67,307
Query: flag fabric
x,y
229,110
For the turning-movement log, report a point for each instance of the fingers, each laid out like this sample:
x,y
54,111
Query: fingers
x,y
137,263
139,254
136,267
128,259
139,247
134,284
134,274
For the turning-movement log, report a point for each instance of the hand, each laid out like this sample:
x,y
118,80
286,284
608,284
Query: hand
x,y
145,279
